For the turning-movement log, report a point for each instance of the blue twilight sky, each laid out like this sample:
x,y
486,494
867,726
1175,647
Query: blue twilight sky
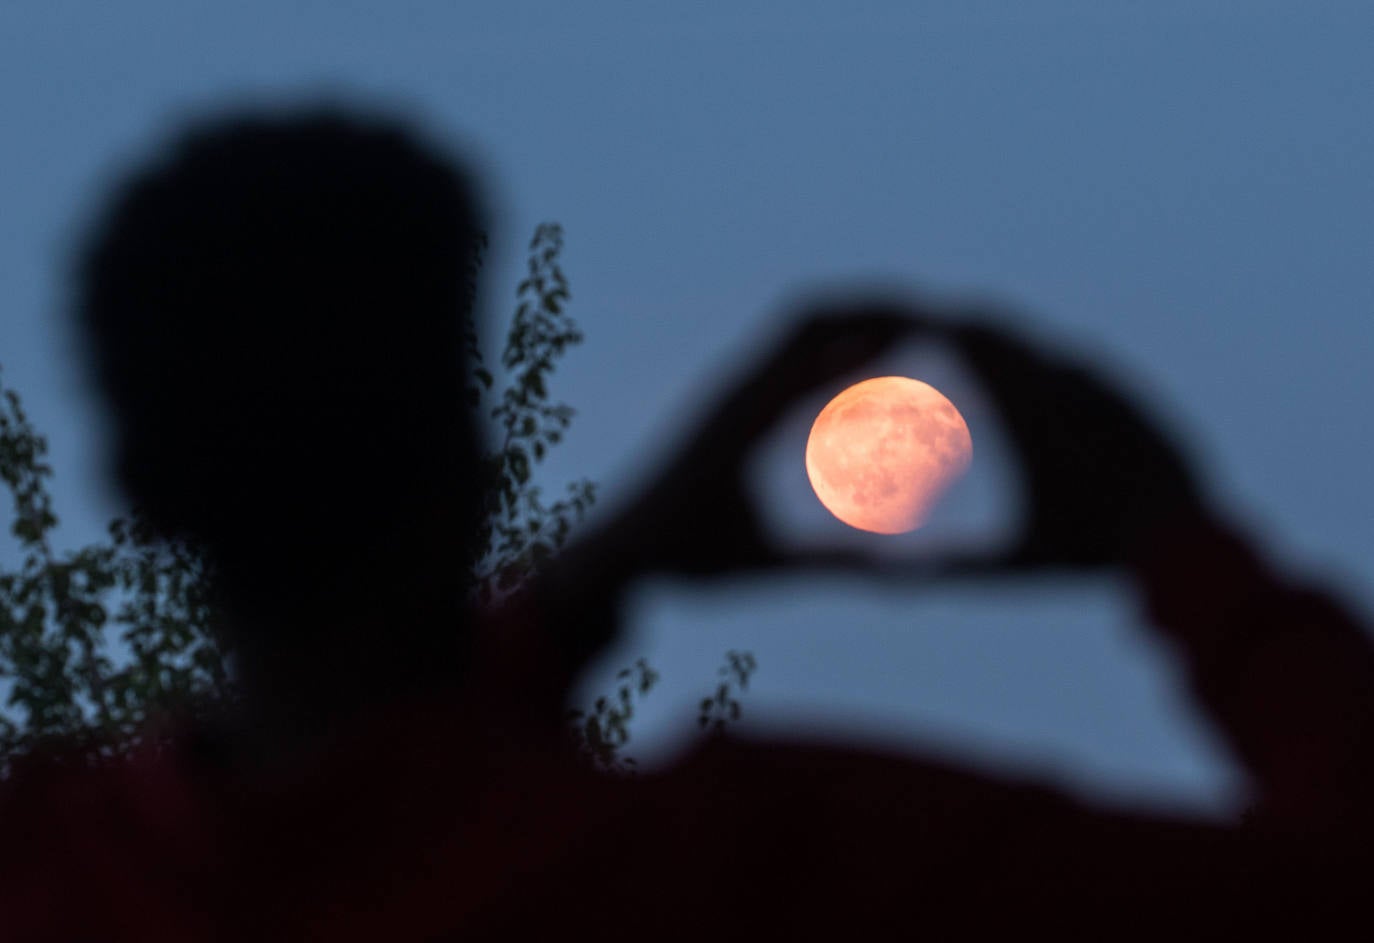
x,y
1183,186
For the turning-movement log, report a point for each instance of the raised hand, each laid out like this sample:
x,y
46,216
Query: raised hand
x,y
697,518
1097,473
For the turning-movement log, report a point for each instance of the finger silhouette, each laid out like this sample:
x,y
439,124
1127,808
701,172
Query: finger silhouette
x,y
698,519
1095,470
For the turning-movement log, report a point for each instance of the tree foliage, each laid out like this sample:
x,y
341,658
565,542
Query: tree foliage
x,y
104,644
723,706
521,531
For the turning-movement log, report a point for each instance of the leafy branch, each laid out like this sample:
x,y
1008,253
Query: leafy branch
x,y
600,734
723,707
521,532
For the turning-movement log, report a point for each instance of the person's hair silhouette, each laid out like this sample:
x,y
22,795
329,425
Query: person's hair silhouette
x,y
276,308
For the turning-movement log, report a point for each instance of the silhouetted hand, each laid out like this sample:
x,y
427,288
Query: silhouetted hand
x,y
696,518
699,519
1097,474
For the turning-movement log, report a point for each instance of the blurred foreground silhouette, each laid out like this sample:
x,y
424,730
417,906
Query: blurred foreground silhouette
x,y
275,313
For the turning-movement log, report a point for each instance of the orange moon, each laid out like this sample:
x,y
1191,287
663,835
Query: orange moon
x,y
882,453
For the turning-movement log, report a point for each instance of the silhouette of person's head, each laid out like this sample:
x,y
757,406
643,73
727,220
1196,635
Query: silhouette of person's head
x,y
276,308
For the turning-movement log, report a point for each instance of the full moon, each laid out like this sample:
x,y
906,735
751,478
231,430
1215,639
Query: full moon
x,y
882,453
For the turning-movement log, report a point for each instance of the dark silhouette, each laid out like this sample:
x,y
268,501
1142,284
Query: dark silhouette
x,y
276,317
275,313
